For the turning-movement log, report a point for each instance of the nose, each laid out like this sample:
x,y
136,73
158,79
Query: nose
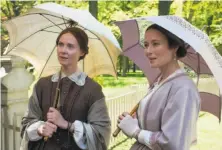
x,y
148,50
63,49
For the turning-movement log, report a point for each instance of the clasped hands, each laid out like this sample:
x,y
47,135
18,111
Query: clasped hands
x,y
129,125
54,120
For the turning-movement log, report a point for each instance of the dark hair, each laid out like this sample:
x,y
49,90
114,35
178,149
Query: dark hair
x,y
81,38
173,40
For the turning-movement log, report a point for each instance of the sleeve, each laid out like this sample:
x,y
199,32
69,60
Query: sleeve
x,y
79,135
32,131
32,118
96,132
144,138
178,123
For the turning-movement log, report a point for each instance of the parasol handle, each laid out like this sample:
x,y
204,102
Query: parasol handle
x,y
55,105
56,102
116,132
46,138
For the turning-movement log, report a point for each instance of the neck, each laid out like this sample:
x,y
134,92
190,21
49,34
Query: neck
x,y
68,70
168,69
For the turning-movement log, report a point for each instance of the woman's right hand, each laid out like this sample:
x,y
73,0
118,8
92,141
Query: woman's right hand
x,y
128,125
122,116
47,129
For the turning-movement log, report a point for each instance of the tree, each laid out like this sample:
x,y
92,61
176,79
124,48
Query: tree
x,y
111,11
206,15
93,8
11,9
164,7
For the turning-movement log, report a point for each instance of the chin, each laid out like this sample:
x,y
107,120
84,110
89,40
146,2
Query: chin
x,y
63,63
154,66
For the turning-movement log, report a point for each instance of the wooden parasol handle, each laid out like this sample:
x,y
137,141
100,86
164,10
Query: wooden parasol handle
x,y
46,138
116,132
56,102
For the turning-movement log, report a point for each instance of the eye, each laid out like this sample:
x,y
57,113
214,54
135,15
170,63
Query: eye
x,y
155,44
146,45
70,46
60,44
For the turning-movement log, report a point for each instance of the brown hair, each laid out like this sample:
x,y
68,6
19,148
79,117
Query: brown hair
x,y
81,38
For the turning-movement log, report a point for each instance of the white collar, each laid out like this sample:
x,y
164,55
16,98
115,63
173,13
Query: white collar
x,y
78,77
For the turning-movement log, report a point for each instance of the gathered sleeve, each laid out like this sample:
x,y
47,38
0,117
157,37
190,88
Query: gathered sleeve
x,y
32,118
178,122
97,129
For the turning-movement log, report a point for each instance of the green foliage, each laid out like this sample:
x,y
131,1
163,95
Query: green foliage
x,y
11,9
206,15
130,79
99,79
190,72
111,11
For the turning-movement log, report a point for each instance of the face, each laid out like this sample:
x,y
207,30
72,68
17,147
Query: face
x,y
68,50
157,49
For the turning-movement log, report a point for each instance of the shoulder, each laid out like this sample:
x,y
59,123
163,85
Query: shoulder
x,y
184,91
94,90
91,84
184,83
180,84
44,81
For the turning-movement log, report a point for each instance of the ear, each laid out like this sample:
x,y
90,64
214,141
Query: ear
x,y
82,53
174,49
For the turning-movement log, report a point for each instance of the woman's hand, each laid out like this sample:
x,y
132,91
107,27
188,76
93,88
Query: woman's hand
x,y
56,118
128,125
47,129
122,116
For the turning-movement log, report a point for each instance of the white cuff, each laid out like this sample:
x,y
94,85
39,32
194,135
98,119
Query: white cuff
x,y
32,131
79,135
144,138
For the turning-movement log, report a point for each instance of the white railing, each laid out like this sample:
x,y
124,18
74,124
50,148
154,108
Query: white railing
x,y
10,133
120,104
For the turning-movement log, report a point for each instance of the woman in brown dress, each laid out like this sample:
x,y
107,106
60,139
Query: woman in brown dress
x,y
81,120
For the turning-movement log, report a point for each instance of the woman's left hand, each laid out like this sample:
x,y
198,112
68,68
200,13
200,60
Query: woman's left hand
x,y
56,118
128,125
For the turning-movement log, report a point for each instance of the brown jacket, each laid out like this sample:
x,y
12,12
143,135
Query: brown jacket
x,y
76,102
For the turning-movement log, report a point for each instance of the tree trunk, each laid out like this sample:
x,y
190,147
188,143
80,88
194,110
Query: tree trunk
x,y
192,11
134,67
15,8
209,23
128,66
120,63
164,7
93,8
125,64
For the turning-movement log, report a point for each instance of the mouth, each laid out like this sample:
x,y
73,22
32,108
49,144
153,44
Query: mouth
x,y
152,59
63,58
